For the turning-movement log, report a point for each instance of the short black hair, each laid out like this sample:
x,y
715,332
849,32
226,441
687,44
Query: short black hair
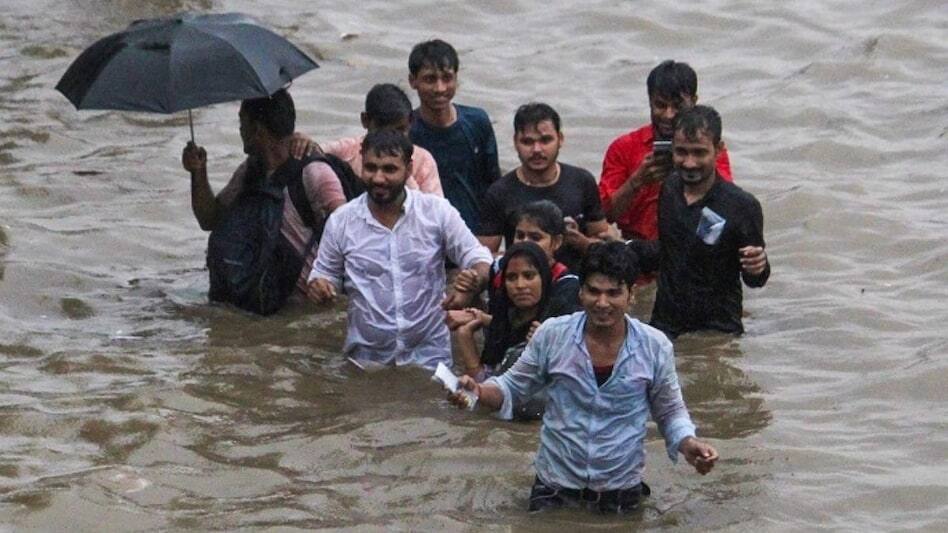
x,y
612,259
545,214
672,79
276,113
386,104
534,113
388,142
435,54
700,118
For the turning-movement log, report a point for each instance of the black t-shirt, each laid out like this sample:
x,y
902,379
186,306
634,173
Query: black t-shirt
x,y
699,284
575,192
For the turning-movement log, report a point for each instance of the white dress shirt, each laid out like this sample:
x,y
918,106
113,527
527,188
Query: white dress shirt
x,y
395,278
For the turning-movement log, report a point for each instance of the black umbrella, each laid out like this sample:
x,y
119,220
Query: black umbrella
x,y
181,62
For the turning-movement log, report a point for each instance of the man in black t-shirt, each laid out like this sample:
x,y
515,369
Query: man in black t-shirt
x,y
538,139
710,236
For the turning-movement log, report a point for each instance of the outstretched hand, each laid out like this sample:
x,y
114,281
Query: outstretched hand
x,y
700,455
466,383
302,146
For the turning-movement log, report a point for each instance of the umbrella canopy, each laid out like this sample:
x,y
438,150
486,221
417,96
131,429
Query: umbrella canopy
x,y
181,62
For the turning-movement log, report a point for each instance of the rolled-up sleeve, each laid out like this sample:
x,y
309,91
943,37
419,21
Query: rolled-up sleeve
x,y
666,404
330,261
461,246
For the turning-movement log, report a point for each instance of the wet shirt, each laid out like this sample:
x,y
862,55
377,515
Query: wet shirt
x,y
623,157
424,176
395,278
699,284
593,436
466,153
574,193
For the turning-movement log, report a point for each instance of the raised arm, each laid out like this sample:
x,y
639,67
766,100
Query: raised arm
x,y
203,203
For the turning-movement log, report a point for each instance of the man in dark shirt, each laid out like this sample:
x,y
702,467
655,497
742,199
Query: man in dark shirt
x,y
538,139
460,138
710,236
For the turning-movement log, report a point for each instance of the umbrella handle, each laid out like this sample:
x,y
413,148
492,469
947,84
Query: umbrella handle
x,y
191,125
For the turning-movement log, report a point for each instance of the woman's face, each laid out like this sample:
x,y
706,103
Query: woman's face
x,y
523,283
527,230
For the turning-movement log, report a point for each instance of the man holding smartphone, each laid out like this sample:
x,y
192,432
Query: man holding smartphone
x,y
637,162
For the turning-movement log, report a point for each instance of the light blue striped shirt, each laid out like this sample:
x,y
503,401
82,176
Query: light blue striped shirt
x,y
592,437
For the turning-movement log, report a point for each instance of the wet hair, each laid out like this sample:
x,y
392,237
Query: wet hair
x,y
612,259
276,113
533,114
698,119
501,308
388,142
672,79
386,104
436,54
545,214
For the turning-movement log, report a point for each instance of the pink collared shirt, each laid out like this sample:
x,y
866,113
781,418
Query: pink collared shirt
x,y
424,176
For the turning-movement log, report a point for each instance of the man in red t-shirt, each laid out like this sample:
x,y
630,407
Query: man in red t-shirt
x,y
632,173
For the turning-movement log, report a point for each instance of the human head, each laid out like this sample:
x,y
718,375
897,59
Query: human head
x,y
542,223
386,106
386,165
607,274
433,70
526,276
435,54
534,113
672,86
272,117
696,144
537,138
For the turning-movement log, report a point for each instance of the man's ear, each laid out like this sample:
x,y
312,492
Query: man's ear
x,y
412,81
721,146
364,117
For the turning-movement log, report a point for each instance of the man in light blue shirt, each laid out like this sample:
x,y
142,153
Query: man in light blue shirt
x,y
605,372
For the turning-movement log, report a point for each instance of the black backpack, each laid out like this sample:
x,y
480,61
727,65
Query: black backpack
x,y
249,261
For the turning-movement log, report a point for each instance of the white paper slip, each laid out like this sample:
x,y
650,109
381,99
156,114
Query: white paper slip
x,y
450,382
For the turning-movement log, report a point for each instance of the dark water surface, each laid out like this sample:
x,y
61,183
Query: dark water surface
x,y
129,403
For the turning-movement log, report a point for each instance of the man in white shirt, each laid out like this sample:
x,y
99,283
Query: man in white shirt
x,y
386,250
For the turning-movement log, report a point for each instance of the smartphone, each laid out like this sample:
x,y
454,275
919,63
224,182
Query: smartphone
x,y
661,147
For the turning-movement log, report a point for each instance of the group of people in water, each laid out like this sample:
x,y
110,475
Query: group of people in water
x,y
407,221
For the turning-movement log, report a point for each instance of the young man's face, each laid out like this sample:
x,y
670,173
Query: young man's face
x,y
435,87
605,299
538,145
694,159
384,176
664,110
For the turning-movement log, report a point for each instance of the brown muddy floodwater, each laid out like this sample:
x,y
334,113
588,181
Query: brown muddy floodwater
x,y
128,403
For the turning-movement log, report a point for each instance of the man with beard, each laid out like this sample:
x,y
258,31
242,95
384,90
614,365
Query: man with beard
x,y
386,250
540,176
634,166
710,236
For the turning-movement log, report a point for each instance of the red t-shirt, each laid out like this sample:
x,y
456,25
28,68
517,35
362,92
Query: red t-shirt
x,y
623,157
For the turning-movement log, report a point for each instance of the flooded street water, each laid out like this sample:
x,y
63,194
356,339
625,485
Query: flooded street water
x,y
129,403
